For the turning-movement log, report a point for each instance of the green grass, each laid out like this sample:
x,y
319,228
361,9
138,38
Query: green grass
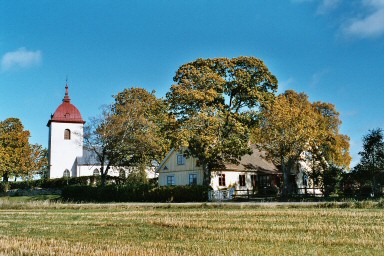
x,y
44,228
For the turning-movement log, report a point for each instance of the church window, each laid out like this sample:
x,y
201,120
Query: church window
x,y
122,174
66,174
96,172
67,134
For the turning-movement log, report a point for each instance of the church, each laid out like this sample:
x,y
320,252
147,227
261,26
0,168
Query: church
x,y
66,154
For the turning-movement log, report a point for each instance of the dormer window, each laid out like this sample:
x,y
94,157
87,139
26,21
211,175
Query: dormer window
x,y
67,134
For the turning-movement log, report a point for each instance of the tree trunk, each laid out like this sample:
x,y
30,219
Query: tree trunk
x,y
5,177
206,174
103,175
286,181
373,184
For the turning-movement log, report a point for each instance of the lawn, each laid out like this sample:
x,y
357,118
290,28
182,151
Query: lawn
x,y
44,228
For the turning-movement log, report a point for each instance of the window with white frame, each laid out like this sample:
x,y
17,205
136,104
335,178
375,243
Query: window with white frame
x,y
192,179
171,180
180,160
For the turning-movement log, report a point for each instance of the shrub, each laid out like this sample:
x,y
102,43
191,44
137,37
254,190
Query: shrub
x,y
4,187
62,182
135,193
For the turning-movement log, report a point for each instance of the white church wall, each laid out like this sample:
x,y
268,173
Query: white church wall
x,y
63,152
89,170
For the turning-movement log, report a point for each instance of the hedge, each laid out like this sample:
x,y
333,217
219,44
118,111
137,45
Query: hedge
x,y
61,182
138,193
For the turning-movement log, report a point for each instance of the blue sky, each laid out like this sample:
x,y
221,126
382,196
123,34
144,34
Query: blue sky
x,y
333,50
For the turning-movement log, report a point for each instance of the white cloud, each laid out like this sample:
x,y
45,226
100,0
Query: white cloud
x,y
370,24
317,77
327,6
286,84
21,58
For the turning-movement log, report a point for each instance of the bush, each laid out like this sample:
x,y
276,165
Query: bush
x,y
62,182
179,194
135,193
4,187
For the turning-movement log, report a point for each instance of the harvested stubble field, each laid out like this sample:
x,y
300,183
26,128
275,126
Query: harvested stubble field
x,y
43,228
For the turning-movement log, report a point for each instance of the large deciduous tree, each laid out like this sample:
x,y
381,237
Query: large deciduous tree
x,y
128,132
371,166
292,125
214,104
17,156
141,118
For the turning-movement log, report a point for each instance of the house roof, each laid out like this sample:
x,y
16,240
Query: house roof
x,y
88,158
164,160
254,162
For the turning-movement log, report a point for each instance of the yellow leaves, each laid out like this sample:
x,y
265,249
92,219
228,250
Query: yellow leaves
x,y
292,125
18,156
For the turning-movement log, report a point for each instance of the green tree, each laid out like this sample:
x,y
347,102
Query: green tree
x,y
292,125
38,161
371,166
285,129
129,132
140,117
98,139
137,176
214,104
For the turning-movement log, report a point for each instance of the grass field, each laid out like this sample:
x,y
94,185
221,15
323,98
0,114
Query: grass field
x,y
43,228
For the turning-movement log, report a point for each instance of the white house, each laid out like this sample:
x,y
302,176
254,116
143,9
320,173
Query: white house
x,y
66,155
253,172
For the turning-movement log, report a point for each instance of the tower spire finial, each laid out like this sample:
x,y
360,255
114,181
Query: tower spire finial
x,y
66,97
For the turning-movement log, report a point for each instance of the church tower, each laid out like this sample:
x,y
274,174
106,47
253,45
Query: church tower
x,y
65,139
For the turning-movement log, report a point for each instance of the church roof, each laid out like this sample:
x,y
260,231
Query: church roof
x,y
66,112
88,158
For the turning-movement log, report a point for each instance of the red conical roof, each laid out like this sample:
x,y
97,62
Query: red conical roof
x,y
66,112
